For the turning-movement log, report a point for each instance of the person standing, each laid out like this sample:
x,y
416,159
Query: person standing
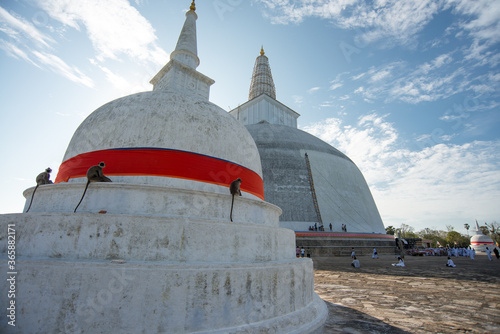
x,y
375,254
302,252
488,252
495,250
330,226
353,253
472,254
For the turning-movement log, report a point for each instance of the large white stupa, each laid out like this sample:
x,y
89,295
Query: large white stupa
x,y
311,181
154,251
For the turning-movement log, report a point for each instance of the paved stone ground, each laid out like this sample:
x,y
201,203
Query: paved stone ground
x,y
423,297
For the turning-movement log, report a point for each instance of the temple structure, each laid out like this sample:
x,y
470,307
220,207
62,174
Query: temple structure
x,y
312,182
479,241
154,251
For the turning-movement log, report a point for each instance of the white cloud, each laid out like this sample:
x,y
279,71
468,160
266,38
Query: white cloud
x,y
297,99
13,51
482,18
391,22
114,27
57,65
383,74
399,20
314,89
434,80
335,85
423,187
33,46
18,28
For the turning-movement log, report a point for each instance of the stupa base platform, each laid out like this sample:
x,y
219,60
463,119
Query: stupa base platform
x,y
55,295
341,243
102,273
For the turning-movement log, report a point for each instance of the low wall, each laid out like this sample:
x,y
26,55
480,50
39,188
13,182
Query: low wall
x,y
341,244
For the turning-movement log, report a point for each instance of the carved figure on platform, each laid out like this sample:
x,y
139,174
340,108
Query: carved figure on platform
x,y
94,174
234,189
42,178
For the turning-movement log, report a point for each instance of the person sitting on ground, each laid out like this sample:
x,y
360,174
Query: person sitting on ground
x,y
450,263
355,263
400,263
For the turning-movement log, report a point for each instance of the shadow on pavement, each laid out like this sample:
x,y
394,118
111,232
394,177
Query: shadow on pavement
x,y
343,319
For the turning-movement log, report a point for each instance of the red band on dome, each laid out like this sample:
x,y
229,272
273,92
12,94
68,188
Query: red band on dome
x,y
163,162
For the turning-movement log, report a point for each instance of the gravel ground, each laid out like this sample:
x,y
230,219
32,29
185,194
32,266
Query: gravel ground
x,y
423,297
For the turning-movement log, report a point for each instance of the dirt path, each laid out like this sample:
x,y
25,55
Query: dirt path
x,y
423,297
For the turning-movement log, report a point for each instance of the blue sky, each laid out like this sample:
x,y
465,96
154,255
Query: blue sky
x,y
409,90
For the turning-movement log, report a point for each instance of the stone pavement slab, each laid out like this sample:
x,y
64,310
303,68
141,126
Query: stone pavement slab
x,y
423,297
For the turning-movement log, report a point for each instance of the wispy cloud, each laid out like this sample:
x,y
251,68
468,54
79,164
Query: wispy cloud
x,y
13,51
297,99
57,65
443,182
399,20
390,22
25,41
313,89
19,29
481,18
434,80
114,27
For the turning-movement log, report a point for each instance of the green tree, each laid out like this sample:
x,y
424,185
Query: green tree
x,y
390,230
484,229
407,231
493,230
438,237
454,238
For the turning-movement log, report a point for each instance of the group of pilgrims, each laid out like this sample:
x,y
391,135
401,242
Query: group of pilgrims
x,y
455,251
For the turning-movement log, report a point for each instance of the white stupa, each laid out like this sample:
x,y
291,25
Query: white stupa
x,y
154,251
479,241
311,181
341,194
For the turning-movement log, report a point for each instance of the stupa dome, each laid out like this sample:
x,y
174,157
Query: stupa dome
x,y
341,190
131,133
171,136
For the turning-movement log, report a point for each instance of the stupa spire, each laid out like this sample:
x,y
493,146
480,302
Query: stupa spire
x,y
478,230
180,73
262,79
186,50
